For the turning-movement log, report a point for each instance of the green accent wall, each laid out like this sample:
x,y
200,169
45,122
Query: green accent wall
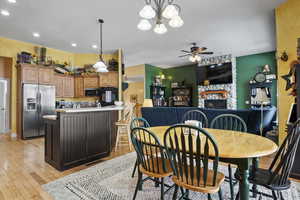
x,y
247,67
150,72
179,74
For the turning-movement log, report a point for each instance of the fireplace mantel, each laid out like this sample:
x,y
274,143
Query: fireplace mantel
x,y
223,93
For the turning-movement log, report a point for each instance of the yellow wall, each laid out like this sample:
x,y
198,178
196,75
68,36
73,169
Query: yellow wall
x,y
82,59
135,88
10,48
288,30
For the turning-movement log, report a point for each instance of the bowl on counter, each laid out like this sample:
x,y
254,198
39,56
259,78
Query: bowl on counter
x,y
118,103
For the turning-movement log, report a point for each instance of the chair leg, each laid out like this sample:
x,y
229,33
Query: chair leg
x,y
175,193
156,182
162,190
237,197
129,140
220,194
117,139
274,195
209,197
134,169
137,185
231,182
281,195
188,194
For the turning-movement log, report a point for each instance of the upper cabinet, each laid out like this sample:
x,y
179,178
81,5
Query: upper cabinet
x,y
109,79
36,74
29,74
64,85
91,82
79,86
68,86
46,76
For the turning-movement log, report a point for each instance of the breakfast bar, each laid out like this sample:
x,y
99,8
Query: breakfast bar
x,y
77,136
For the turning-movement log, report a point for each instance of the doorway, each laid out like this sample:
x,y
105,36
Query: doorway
x,y
5,94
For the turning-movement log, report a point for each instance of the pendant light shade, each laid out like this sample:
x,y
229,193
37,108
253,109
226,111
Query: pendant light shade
x,y
100,66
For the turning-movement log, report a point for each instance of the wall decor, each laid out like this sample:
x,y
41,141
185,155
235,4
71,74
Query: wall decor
x,y
215,60
284,56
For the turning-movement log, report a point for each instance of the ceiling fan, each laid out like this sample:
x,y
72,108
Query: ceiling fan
x,y
195,52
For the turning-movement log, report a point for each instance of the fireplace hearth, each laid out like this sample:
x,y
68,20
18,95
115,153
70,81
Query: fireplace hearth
x,y
215,103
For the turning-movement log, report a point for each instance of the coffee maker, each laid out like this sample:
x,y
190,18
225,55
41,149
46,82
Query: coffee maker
x,y
108,95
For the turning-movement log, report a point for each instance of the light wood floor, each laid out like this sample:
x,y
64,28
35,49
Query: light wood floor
x,y
23,169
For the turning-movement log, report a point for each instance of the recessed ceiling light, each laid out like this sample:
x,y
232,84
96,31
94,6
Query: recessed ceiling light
x,y
36,35
95,46
74,45
12,1
5,13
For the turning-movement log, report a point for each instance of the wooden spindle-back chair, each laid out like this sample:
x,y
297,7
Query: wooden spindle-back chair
x,y
190,148
196,115
152,158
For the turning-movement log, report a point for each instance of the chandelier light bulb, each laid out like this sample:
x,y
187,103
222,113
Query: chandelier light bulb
x,y
176,22
160,29
170,11
144,25
147,12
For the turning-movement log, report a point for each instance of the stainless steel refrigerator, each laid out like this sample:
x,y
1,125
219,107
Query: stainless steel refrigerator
x,y
38,100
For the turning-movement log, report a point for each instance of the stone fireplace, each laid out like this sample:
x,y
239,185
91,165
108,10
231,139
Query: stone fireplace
x,y
221,95
215,103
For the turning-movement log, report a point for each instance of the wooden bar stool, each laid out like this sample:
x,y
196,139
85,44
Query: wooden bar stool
x,y
123,126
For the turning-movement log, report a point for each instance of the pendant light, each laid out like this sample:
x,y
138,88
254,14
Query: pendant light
x,y
100,66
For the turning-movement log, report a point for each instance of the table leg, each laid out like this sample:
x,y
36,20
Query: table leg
x,y
244,183
255,165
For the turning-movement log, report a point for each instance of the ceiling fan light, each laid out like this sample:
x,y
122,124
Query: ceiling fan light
x,y
192,59
144,25
170,11
198,58
147,12
176,22
160,29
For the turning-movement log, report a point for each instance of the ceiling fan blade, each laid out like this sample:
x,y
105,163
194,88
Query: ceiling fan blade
x,y
185,51
184,55
206,53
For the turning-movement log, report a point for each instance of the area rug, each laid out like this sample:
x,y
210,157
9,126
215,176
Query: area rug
x,y
111,180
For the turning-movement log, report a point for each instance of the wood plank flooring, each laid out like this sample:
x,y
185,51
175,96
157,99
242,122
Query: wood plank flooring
x,y
23,169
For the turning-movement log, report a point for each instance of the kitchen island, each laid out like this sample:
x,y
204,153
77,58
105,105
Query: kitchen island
x,y
78,136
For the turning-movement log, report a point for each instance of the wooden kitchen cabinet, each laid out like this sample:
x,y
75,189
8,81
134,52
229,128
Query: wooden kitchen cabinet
x,y
109,79
91,82
58,83
29,74
45,75
68,86
79,86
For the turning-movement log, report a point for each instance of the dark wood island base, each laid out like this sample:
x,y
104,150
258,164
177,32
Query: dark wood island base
x,y
73,138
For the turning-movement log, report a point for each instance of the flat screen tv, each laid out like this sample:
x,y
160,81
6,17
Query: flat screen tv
x,y
214,74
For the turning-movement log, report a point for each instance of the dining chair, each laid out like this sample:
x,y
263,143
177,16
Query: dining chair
x,y
234,123
138,122
152,159
190,148
123,125
196,115
276,177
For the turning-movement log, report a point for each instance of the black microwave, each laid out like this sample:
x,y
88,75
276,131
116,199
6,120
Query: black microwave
x,y
91,92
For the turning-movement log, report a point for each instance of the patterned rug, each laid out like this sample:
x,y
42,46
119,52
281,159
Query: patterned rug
x,y
111,180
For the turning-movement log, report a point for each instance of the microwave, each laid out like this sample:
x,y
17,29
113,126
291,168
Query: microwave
x,y
91,92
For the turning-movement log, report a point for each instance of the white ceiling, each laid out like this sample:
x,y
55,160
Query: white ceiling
x,y
239,27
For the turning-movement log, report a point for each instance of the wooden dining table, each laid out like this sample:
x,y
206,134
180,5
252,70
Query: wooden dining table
x,y
235,147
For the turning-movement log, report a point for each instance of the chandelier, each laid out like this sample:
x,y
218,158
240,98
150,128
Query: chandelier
x,y
160,11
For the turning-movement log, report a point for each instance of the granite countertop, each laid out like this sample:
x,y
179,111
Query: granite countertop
x,y
93,109
50,117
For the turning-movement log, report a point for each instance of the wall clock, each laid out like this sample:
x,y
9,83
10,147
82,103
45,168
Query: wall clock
x,y
260,77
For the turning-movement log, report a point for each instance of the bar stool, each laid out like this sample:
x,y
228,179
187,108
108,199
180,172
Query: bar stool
x,y
123,126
